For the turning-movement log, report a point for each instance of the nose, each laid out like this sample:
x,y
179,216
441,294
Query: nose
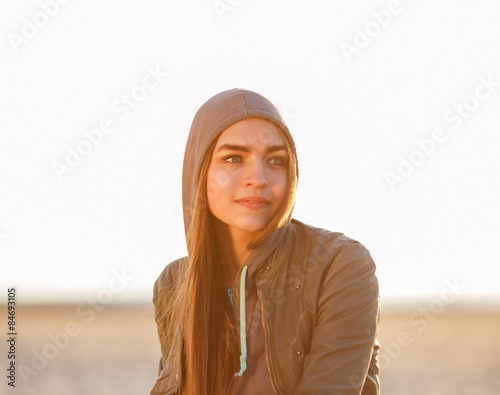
x,y
255,175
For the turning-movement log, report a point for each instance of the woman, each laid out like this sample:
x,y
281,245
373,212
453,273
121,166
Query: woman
x,y
263,304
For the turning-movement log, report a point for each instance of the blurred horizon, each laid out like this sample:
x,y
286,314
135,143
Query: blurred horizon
x,y
391,303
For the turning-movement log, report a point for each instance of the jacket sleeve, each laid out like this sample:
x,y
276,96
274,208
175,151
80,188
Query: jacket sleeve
x,y
342,359
159,304
159,314
164,292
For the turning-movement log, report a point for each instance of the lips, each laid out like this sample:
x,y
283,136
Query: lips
x,y
253,202
253,199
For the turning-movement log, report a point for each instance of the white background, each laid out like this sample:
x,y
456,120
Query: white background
x,y
354,118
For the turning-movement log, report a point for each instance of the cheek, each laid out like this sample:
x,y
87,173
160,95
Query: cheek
x,y
217,183
280,186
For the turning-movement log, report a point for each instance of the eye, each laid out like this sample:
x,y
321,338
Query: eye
x,y
277,161
232,159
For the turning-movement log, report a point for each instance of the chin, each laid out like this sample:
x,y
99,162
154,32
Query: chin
x,y
252,227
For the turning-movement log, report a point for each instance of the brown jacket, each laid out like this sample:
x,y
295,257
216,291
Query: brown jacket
x,y
319,299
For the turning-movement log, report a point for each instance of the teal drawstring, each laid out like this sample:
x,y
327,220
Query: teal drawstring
x,y
243,326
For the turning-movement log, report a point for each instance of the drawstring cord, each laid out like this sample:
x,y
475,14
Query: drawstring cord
x,y
243,326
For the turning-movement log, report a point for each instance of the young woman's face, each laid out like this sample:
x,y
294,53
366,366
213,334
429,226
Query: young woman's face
x,y
248,175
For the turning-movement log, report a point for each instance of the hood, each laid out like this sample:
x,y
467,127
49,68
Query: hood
x,y
214,116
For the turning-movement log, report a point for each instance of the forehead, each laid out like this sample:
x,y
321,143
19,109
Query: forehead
x,y
252,131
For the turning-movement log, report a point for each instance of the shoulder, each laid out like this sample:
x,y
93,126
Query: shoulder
x,y
170,277
332,250
340,273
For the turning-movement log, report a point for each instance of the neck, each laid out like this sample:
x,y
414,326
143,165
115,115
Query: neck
x,y
231,247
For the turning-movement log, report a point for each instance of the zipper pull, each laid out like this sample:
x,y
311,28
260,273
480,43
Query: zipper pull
x,y
231,299
231,296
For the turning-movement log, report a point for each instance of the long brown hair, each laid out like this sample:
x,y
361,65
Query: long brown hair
x,y
201,309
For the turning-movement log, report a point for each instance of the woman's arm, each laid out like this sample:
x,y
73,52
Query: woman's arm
x,y
158,301
343,351
164,293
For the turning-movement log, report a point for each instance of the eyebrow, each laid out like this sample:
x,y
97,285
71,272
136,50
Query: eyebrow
x,y
246,148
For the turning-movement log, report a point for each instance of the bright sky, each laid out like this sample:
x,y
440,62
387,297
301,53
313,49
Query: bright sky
x,y
393,106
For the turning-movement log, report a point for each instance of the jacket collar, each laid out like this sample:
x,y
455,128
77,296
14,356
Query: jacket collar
x,y
262,262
